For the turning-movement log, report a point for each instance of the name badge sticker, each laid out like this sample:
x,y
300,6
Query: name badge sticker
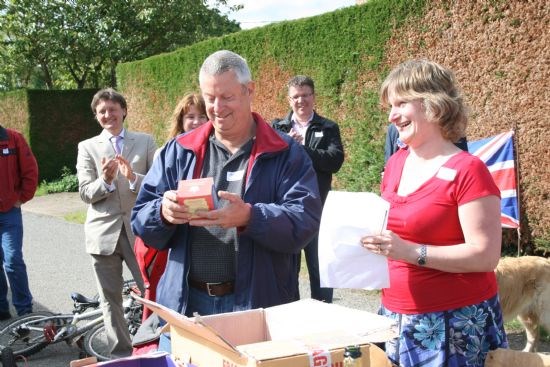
x,y
318,134
235,176
447,174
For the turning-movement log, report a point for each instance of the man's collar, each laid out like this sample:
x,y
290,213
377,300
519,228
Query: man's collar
x,y
109,135
267,139
294,120
3,133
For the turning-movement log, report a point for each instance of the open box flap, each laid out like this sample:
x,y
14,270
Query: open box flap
x,y
197,327
239,327
310,317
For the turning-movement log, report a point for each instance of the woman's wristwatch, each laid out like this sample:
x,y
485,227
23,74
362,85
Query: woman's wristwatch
x,y
422,258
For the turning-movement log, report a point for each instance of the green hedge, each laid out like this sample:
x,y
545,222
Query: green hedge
x,y
58,120
53,123
335,49
14,111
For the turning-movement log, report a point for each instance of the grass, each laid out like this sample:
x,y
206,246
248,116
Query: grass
x,y
78,217
514,326
41,190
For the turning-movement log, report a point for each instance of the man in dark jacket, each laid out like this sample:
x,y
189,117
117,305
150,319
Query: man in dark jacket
x,y
320,138
242,254
18,182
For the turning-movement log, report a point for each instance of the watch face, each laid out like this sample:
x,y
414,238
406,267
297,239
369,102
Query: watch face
x,y
421,261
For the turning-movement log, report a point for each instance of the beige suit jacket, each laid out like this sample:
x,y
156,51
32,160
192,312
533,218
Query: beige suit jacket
x,y
108,211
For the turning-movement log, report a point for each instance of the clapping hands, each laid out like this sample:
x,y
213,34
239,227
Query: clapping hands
x,y
111,166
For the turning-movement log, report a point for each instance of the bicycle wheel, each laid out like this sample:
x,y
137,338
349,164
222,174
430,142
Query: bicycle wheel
x,y
96,343
8,359
23,340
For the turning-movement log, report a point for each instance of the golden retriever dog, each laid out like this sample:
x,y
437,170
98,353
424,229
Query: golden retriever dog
x,y
524,291
513,358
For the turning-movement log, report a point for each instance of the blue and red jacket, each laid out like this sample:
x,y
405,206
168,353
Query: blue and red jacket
x,y
18,169
281,186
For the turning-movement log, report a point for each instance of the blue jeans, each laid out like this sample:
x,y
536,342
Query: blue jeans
x,y
11,255
312,259
199,301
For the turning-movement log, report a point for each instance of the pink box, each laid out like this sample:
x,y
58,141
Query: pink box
x,y
197,194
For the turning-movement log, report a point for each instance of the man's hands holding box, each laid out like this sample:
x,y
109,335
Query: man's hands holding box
x,y
196,203
197,195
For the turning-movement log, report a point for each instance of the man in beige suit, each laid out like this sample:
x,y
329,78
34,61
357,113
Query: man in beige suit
x,y
110,169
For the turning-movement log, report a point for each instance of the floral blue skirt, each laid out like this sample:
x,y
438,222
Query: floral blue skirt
x,y
454,338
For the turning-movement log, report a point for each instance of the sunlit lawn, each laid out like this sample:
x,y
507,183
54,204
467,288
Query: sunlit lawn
x,y
76,217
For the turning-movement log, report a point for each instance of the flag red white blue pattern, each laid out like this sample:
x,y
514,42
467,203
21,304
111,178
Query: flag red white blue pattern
x,y
497,153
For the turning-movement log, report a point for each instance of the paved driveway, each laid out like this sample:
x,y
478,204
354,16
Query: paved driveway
x,y
57,265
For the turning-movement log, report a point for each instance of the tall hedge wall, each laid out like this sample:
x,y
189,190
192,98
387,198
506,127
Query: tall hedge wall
x,y
53,123
14,111
498,50
334,49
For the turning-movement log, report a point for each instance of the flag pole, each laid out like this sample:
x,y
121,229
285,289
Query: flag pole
x,y
516,152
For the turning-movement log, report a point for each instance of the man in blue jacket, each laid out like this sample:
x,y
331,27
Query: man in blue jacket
x,y
243,254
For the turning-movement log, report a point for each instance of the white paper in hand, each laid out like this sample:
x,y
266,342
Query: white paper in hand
x,y
343,262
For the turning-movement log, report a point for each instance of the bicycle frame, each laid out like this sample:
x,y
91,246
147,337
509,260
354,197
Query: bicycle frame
x,y
29,334
70,329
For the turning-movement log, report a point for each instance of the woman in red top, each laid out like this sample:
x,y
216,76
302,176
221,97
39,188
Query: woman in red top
x,y
444,234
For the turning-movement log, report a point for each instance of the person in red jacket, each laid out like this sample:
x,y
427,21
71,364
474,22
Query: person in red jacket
x,y
18,182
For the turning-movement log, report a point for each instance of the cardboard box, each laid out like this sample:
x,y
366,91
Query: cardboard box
x,y
197,194
305,333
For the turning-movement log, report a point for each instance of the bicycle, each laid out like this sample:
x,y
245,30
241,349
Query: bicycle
x,y
29,334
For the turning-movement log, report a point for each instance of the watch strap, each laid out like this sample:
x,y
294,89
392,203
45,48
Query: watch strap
x,y
422,258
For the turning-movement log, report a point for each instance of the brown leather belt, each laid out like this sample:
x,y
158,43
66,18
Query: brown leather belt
x,y
213,289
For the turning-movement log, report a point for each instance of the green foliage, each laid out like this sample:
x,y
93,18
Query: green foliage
x,y
53,123
64,44
365,152
514,326
41,190
14,111
76,217
58,120
542,243
335,49
68,182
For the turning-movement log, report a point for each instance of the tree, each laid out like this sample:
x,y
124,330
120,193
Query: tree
x,y
78,43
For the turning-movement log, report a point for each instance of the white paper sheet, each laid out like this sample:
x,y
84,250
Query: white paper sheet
x,y
343,262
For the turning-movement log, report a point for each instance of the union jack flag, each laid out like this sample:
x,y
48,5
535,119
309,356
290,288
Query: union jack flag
x,y
497,153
